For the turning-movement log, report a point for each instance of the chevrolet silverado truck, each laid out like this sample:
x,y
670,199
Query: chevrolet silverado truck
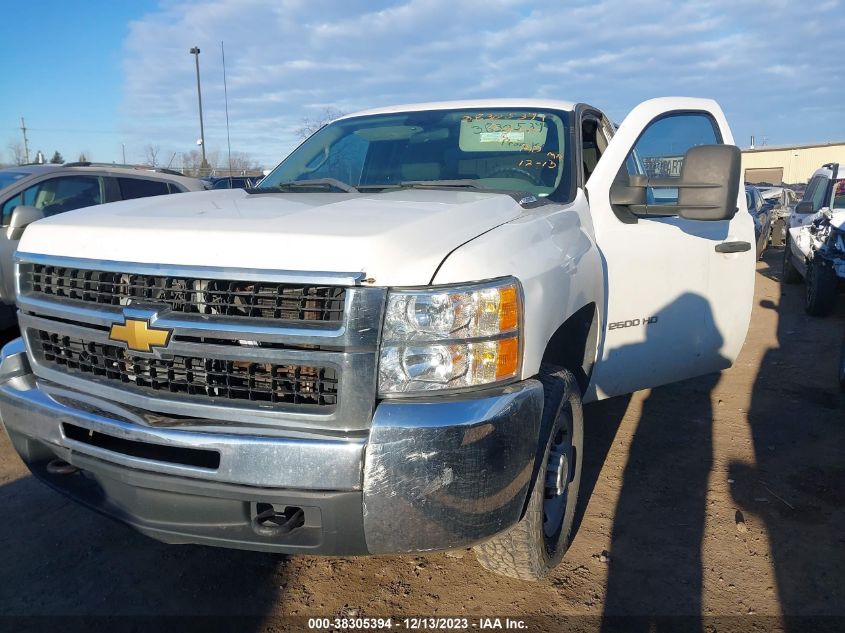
x,y
384,347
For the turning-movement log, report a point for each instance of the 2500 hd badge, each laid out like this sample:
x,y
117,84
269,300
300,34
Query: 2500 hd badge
x,y
632,323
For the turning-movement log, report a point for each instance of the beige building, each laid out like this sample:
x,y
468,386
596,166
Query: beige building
x,y
789,164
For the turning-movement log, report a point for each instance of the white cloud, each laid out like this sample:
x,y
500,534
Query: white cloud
x,y
290,59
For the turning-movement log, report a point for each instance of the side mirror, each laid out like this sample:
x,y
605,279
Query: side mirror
x,y
707,189
21,218
709,183
805,207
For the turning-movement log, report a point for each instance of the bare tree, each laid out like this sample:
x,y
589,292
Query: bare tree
x,y
84,156
16,152
311,124
151,155
240,164
192,162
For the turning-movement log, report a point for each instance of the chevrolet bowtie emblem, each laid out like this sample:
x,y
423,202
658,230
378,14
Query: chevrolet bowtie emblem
x,y
138,335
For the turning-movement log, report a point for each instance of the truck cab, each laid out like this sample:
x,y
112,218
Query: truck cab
x,y
386,345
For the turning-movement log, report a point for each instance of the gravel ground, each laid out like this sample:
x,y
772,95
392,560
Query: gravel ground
x,y
719,496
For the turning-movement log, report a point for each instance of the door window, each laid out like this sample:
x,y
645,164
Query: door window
x,y
57,195
659,152
131,188
594,139
816,191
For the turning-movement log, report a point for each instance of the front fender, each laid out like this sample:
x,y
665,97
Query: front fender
x,y
551,249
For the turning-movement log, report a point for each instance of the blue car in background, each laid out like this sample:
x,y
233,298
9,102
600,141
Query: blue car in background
x,y
761,211
235,182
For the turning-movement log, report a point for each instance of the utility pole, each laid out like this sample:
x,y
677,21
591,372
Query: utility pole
x,y
25,142
195,51
123,146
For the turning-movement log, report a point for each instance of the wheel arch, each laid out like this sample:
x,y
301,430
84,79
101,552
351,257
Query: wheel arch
x,y
574,345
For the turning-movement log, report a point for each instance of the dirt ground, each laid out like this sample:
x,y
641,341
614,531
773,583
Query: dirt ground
x,y
718,496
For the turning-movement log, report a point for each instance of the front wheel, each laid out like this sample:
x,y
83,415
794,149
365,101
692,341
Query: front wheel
x,y
789,274
535,545
821,285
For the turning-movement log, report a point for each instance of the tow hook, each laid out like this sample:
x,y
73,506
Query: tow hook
x,y
271,522
60,467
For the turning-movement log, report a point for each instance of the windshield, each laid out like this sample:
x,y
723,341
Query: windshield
x,y
10,177
498,149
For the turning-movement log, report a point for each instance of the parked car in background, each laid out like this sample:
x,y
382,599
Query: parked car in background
x,y
783,201
31,192
815,243
235,182
761,211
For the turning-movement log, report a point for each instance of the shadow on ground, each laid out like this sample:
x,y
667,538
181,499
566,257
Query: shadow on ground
x,y
797,423
63,559
60,558
798,481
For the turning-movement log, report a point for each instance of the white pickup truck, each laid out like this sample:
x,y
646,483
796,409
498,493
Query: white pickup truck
x,y
385,346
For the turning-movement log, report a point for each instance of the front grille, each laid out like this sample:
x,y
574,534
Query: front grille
x,y
189,295
248,381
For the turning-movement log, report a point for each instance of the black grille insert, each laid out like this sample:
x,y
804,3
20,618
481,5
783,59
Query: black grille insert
x,y
145,450
225,298
248,381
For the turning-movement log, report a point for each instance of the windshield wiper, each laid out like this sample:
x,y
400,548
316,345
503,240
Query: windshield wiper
x,y
523,197
422,184
458,184
315,183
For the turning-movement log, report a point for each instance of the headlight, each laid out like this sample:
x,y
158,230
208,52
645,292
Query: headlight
x,y
451,337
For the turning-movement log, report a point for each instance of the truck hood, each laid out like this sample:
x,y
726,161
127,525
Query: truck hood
x,y
396,238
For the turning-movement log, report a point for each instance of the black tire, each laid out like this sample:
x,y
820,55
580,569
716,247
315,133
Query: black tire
x,y
777,232
820,285
535,545
789,274
842,366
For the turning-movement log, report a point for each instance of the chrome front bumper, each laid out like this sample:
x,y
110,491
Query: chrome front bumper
x,y
429,474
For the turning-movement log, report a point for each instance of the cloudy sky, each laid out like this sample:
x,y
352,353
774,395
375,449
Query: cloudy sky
x,y
106,76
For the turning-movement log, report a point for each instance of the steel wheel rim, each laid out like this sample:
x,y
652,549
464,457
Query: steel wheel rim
x,y
559,472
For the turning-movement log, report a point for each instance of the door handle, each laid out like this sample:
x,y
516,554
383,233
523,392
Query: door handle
x,y
733,247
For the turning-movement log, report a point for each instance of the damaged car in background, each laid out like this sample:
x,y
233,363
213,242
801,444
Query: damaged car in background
x,y
782,201
761,211
815,243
